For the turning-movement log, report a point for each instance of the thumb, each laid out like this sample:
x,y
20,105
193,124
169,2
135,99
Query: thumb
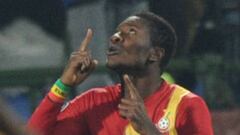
x,y
95,63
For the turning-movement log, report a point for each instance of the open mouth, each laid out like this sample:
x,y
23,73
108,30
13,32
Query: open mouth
x,y
112,51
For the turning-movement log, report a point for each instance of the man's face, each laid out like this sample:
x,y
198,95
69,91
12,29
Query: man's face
x,y
129,46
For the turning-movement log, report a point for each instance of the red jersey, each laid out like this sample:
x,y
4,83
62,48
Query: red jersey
x,y
95,112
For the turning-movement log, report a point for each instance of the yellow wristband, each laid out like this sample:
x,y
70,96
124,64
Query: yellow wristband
x,y
58,92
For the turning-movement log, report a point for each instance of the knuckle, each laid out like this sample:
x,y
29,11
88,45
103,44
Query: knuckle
x,y
74,53
138,103
135,103
131,115
72,58
135,109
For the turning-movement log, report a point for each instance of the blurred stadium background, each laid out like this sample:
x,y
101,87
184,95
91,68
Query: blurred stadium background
x,y
37,36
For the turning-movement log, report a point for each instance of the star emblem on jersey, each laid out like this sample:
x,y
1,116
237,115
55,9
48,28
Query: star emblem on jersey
x,y
163,124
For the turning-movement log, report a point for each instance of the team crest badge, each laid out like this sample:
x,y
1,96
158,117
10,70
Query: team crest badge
x,y
163,125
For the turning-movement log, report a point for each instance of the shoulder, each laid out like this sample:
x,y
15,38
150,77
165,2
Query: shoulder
x,y
193,101
192,104
189,98
193,112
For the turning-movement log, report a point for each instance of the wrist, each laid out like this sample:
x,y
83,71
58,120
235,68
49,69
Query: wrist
x,y
66,81
150,129
64,87
59,91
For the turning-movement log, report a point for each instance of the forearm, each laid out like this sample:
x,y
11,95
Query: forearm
x,y
80,65
151,129
44,118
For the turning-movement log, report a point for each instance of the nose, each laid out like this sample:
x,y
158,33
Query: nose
x,y
116,38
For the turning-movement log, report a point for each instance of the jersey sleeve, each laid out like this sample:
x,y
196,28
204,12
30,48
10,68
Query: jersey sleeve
x,y
193,117
50,119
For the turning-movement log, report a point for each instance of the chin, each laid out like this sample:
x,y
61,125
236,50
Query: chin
x,y
111,65
118,67
121,65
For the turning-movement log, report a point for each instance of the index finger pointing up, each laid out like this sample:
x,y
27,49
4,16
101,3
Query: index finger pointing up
x,y
86,40
133,92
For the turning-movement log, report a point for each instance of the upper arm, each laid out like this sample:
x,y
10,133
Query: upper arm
x,y
194,117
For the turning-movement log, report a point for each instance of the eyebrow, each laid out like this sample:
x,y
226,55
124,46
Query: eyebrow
x,y
128,24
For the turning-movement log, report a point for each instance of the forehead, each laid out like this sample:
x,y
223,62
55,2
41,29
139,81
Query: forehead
x,y
133,21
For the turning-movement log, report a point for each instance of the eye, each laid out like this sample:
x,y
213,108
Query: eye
x,y
132,31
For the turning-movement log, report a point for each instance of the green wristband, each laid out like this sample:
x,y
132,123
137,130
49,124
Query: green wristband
x,y
62,86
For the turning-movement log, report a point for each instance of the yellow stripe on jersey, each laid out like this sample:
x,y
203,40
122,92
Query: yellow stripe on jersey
x,y
167,122
170,114
130,130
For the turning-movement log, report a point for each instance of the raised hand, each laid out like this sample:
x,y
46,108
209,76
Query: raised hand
x,y
80,64
133,109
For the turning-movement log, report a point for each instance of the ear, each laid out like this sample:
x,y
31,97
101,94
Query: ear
x,y
156,54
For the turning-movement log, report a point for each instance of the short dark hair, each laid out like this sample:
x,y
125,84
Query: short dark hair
x,y
162,34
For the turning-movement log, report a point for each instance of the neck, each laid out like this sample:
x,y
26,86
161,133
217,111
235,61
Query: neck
x,y
146,82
